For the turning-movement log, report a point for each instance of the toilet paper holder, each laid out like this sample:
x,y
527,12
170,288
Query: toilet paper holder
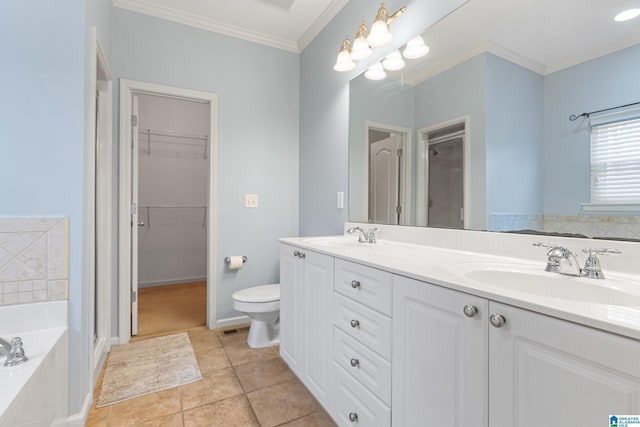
x,y
227,260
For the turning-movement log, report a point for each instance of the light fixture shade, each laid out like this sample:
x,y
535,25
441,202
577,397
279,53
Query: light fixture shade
x,y
393,61
627,15
379,34
361,49
344,62
375,72
415,48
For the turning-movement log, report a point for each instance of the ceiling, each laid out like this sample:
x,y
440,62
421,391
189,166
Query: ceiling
x,y
285,24
542,35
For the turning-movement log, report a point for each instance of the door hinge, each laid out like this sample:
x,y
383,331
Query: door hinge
x,y
134,120
398,209
399,152
134,296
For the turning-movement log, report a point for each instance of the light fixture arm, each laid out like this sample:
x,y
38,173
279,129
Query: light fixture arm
x,y
396,14
362,30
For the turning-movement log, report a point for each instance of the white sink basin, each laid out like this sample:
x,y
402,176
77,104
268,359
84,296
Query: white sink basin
x,y
334,241
534,280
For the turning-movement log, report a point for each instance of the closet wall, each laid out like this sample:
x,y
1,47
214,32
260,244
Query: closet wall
x,y
173,177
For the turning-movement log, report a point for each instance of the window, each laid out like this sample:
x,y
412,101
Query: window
x,y
615,161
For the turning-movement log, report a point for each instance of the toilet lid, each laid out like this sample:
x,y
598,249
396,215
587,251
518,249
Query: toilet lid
x,y
264,293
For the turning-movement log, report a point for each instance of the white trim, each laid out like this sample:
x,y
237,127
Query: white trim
x,y
151,8
422,166
405,178
233,321
127,87
79,419
99,356
610,207
179,280
318,25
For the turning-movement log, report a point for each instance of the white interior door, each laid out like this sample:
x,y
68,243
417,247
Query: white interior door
x,y
384,180
134,214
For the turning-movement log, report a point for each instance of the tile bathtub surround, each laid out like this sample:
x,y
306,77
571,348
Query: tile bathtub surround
x,y
616,226
34,260
244,387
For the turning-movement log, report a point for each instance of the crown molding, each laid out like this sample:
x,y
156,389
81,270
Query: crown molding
x,y
148,7
318,25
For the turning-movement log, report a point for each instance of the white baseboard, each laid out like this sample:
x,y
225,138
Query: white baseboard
x,y
232,321
115,340
166,282
79,419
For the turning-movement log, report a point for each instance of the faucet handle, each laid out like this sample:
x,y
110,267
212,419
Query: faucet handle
x,y
545,245
592,268
602,251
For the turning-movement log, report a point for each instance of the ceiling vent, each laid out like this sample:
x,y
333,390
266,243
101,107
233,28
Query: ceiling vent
x,y
280,4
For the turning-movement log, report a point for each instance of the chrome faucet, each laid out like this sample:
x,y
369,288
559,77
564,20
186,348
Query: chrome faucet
x,y
563,261
368,236
13,353
5,348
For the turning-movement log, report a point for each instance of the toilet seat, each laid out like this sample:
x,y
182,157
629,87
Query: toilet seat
x,y
258,294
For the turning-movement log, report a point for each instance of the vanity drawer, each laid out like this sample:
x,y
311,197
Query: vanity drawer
x,y
367,285
365,325
355,405
366,366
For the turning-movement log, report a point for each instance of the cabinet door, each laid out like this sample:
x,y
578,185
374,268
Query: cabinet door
x,y
546,371
439,357
316,324
290,306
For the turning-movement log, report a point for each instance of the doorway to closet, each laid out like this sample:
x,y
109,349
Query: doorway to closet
x,y
167,209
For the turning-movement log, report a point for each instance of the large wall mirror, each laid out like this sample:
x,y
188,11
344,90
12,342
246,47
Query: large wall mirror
x,y
476,135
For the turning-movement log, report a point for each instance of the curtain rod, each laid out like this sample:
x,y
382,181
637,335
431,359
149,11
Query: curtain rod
x,y
573,117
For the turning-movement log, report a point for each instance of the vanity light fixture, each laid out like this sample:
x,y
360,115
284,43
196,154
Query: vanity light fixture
x,y
380,34
415,48
344,61
361,48
393,61
627,15
375,72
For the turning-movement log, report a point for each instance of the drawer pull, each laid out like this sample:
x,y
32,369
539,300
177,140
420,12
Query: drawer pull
x,y
353,417
470,310
296,253
355,284
355,323
355,363
497,320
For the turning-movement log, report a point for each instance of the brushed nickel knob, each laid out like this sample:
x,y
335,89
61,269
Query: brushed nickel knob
x,y
355,362
353,417
497,320
302,255
141,223
355,284
355,323
296,253
470,310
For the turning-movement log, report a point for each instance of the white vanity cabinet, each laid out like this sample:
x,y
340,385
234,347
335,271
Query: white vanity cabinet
x,y
440,356
546,371
306,338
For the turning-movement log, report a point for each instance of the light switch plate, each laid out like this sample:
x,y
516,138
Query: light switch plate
x,y
250,200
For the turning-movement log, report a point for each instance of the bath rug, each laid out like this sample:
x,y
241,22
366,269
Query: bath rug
x,y
147,366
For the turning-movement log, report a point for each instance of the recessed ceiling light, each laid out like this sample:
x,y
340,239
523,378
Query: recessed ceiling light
x,y
627,15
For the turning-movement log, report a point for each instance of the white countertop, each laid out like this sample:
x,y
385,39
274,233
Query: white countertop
x,y
430,264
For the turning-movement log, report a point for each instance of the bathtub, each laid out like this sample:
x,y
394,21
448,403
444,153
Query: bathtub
x,y
35,393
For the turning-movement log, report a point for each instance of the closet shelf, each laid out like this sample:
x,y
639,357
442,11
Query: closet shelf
x,y
156,136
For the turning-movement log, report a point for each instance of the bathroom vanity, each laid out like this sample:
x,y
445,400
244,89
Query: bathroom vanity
x,y
468,330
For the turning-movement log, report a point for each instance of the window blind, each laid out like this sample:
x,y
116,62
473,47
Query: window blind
x,y
615,162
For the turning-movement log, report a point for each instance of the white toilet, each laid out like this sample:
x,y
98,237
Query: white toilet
x,y
262,305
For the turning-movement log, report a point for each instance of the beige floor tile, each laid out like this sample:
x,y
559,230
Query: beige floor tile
x,y
233,412
282,403
233,338
212,360
174,420
317,419
241,353
263,373
215,386
204,340
145,408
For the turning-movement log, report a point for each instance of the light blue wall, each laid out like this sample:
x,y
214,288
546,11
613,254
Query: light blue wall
x,y
388,102
604,82
513,137
324,106
258,105
458,92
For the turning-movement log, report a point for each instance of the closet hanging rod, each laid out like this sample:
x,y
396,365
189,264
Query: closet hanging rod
x,y
573,117
154,132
